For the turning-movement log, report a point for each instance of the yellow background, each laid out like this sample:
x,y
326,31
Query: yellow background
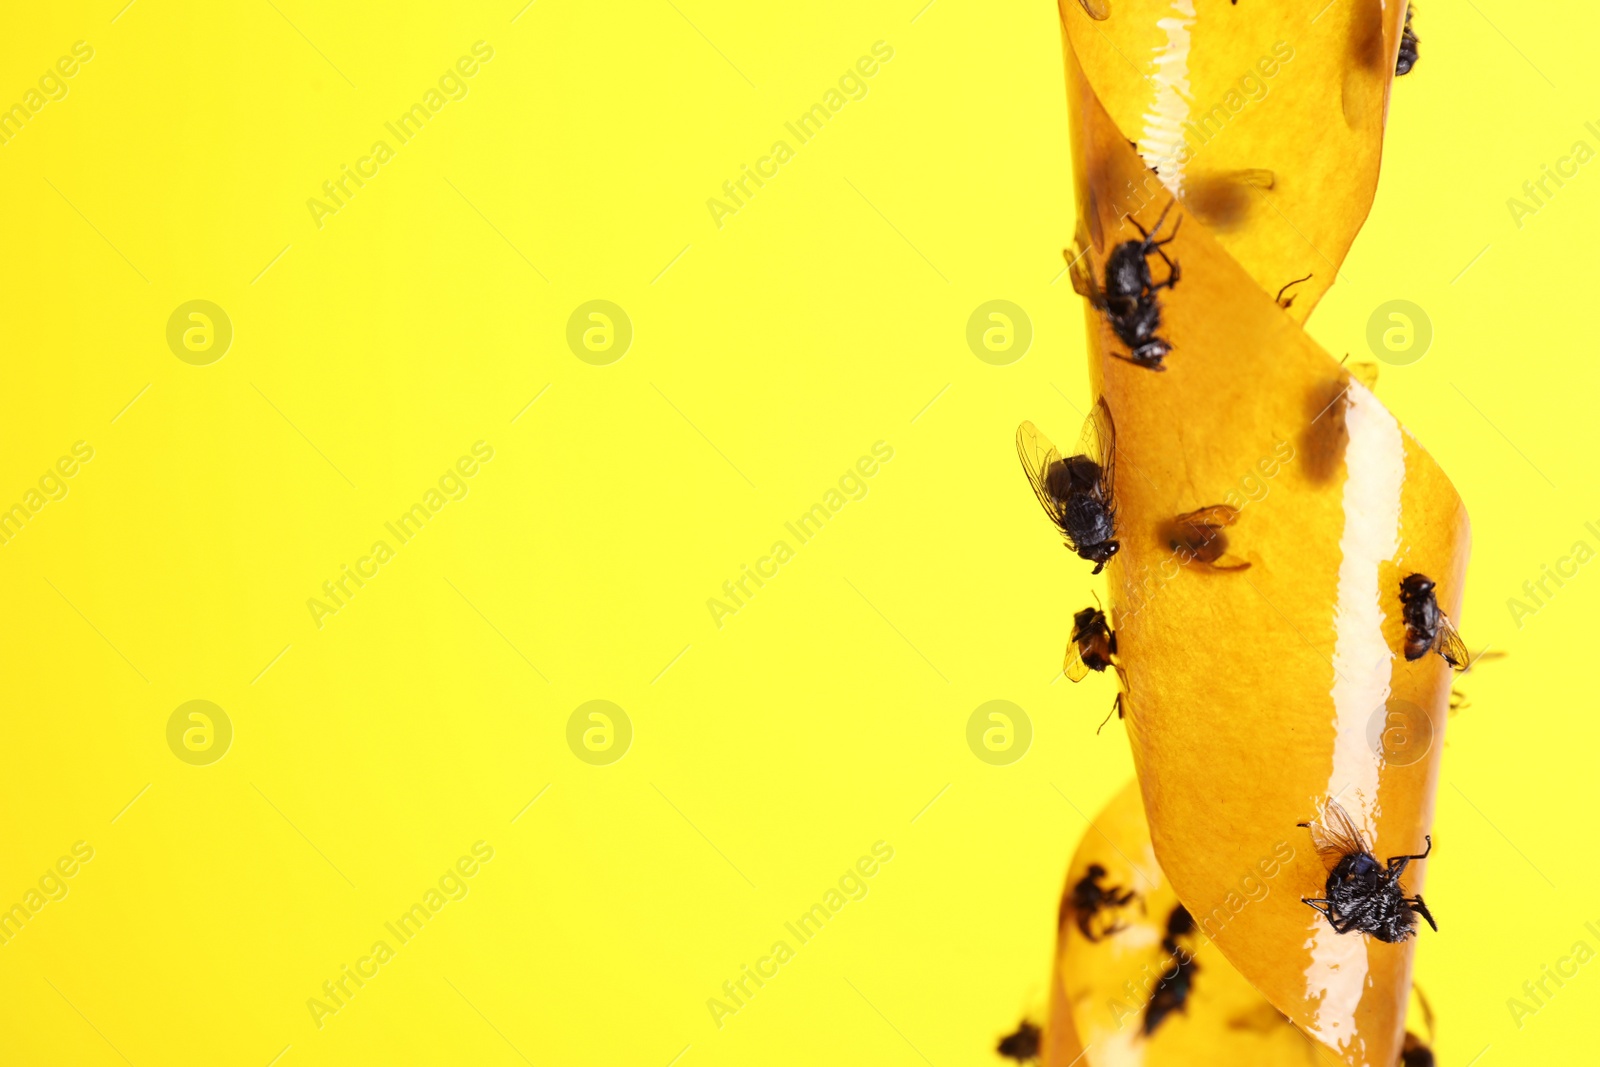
x,y
768,355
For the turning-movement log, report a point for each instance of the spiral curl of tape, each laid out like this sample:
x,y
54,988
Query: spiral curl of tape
x,y
1250,691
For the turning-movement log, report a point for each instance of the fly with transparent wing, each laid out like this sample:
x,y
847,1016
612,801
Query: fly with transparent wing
x,y
1077,492
1362,894
1092,647
1428,629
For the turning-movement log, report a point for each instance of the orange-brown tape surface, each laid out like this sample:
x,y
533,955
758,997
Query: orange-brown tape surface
x,y
1104,985
1255,694
1266,117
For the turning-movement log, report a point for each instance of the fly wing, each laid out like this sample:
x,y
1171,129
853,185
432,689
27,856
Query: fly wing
x,y
1335,835
1099,442
1073,667
1202,529
1216,516
1447,642
1039,457
1081,269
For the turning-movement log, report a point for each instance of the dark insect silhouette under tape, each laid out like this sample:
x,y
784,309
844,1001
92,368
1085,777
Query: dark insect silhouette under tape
x,y
1090,899
1408,47
1427,628
1361,893
1078,492
1172,992
1022,1044
1197,536
1129,298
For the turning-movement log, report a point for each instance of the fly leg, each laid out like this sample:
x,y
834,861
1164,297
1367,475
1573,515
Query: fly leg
x,y
1116,706
1397,864
1152,245
1347,923
1281,302
1415,904
1160,221
1172,270
1421,856
1342,924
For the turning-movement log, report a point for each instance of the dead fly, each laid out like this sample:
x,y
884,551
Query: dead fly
x,y
1022,1044
1077,492
1129,298
1091,902
1413,1053
1172,992
1408,48
1197,537
1286,303
1092,646
1427,628
1362,894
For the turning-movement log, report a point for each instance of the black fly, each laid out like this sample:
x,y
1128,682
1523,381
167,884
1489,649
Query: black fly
x,y
1427,628
1077,492
1413,1053
1363,894
1089,898
1129,299
1021,1044
1408,48
1093,647
1172,992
